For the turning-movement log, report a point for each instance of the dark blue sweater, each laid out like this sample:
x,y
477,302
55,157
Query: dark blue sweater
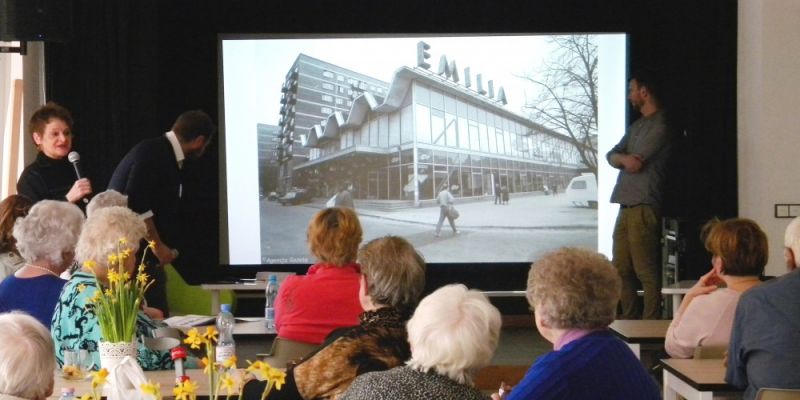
x,y
596,366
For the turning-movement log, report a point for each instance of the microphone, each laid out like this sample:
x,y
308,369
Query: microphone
x,y
74,158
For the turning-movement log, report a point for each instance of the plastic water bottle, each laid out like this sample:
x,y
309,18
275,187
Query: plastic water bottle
x,y
67,393
271,293
226,347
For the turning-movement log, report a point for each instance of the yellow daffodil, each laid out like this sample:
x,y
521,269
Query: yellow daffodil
x,y
260,369
96,297
99,377
108,293
211,334
81,288
185,391
230,363
142,278
226,382
86,397
278,377
206,365
153,389
112,259
123,241
194,339
113,276
90,265
151,244
141,268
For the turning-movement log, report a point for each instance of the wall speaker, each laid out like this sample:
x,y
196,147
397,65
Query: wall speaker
x,y
35,20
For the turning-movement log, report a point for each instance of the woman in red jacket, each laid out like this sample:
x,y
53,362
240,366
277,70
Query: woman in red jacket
x,y
310,306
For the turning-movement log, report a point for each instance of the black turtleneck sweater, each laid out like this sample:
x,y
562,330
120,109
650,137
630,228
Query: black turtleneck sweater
x,y
46,179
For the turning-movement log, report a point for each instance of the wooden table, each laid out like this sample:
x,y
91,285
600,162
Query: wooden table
x,y
635,332
677,290
165,378
694,379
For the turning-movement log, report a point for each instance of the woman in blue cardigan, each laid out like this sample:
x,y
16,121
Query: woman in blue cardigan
x,y
574,293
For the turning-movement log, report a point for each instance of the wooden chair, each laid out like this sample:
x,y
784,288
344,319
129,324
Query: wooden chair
x,y
710,352
778,394
285,350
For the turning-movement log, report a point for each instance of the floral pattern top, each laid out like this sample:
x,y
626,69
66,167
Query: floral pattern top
x,y
75,326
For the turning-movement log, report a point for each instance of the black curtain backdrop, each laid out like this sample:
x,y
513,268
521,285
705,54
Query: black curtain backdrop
x,y
133,65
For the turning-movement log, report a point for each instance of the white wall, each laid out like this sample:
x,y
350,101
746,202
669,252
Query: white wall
x,y
768,115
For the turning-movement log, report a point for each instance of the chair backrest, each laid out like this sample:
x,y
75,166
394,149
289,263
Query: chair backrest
x,y
285,350
715,352
778,394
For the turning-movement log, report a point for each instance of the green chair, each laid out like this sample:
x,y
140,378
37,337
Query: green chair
x,y
187,299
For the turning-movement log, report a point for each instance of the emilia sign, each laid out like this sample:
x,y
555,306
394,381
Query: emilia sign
x,y
449,71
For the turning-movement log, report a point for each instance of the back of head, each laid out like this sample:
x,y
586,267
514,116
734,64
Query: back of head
x,y
791,239
50,229
192,124
334,235
109,198
573,288
454,331
46,112
395,272
27,357
103,232
740,243
13,207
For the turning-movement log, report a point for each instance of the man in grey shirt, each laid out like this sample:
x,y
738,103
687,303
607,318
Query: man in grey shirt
x,y
764,350
641,156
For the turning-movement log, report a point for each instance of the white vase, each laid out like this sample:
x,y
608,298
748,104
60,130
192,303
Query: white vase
x,y
111,354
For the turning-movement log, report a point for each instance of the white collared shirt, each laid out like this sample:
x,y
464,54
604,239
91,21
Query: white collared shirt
x,y
176,147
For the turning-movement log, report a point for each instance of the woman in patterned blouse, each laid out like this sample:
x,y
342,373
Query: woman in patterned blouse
x,y
74,323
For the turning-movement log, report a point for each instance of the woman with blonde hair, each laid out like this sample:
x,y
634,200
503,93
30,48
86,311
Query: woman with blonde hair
x,y
46,239
574,294
453,332
75,325
309,307
739,253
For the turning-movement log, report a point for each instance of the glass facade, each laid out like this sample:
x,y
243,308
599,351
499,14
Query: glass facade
x,y
461,142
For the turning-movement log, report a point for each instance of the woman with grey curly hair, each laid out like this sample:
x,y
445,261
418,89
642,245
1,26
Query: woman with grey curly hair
x,y
46,240
574,294
26,351
75,324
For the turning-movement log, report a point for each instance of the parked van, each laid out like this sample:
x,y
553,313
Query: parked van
x,y
582,190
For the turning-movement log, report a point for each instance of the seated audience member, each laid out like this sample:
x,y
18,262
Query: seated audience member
x,y
113,198
764,351
13,207
46,239
574,295
453,332
391,282
739,253
108,198
309,307
27,358
75,324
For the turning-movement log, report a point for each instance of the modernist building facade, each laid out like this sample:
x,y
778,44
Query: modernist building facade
x,y
312,90
427,132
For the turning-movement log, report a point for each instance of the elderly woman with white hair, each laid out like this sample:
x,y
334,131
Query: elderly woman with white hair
x,y
453,333
75,325
27,358
574,294
46,240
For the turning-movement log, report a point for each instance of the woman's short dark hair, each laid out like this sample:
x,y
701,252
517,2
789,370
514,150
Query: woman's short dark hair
x,y
42,116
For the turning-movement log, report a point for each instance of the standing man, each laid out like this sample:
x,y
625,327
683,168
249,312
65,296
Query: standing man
x,y
641,156
497,198
150,174
345,197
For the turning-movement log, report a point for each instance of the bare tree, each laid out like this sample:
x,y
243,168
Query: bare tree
x,y
567,102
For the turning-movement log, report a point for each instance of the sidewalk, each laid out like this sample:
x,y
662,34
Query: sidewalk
x,y
523,212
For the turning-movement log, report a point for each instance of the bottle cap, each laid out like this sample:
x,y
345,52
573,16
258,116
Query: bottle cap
x,y
273,277
67,390
225,308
